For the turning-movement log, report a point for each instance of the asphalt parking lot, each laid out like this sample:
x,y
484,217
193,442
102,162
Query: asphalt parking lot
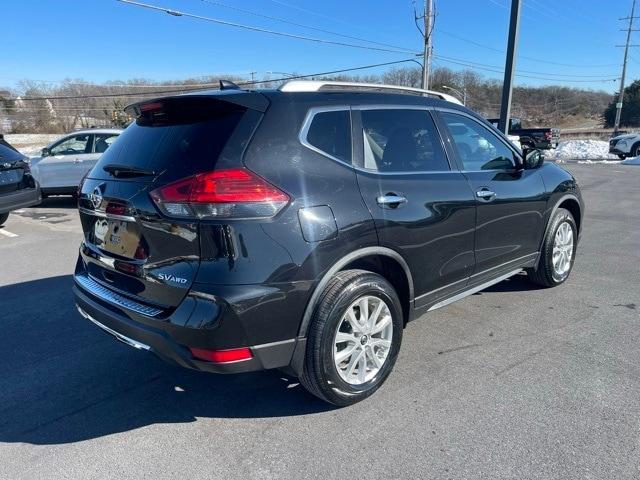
x,y
513,382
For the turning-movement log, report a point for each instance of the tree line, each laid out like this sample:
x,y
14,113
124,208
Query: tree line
x,y
537,106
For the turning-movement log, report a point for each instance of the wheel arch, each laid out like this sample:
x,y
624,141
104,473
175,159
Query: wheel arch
x,y
381,260
569,202
572,204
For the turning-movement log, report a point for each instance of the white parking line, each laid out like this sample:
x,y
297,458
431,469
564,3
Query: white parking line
x,y
7,233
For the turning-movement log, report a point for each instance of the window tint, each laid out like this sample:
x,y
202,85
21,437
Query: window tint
x,y
401,140
477,146
331,133
72,146
103,141
8,153
181,137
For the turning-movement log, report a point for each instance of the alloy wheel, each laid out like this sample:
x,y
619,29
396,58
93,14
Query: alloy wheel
x,y
563,249
363,340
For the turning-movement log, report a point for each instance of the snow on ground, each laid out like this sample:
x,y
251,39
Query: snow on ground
x,y
582,151
631,161
30,144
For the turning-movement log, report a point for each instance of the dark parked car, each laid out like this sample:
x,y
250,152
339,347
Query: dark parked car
x,y
542,138
302,228
18,189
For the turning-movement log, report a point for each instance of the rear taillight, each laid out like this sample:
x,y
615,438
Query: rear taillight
x,y
84,177
233,193
222,356
548,135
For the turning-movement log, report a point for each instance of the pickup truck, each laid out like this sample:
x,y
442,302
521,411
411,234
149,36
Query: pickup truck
x,y
543,138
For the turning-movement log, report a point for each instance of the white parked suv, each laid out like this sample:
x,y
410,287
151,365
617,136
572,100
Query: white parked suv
x,y
64,162
627,145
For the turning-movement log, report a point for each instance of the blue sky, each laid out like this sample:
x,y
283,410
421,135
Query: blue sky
x,y
100,40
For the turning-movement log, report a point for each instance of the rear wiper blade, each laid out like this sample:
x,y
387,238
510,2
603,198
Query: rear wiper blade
x,y
127,170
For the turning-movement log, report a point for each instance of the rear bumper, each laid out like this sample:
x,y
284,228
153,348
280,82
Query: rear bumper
x,y
25,197
546,144
171,342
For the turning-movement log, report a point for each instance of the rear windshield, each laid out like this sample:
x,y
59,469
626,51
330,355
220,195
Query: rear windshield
x,y
177,138
8,153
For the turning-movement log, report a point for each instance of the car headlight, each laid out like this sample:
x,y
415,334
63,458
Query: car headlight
x,y
621,144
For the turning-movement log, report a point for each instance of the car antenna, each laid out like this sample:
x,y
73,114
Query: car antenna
x,y
228,85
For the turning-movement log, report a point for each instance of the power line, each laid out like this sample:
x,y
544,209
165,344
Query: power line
x,y
177,13
497,70
524,57
256,82
296,7
289,22
472,63
558,18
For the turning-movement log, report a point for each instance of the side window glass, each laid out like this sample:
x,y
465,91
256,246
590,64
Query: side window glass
x,y
330,132
401,140
477,146
75,145
103,141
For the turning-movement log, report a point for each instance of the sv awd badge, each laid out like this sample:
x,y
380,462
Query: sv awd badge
x,y
167,277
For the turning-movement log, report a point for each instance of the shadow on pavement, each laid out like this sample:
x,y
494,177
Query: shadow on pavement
x,y
62,380
58,201
517,283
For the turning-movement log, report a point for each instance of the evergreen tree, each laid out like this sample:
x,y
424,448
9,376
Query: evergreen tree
x,y
630,110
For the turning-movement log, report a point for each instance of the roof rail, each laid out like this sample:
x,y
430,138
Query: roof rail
x,y
319,85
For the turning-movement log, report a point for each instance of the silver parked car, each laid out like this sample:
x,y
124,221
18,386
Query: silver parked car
x,y
64,162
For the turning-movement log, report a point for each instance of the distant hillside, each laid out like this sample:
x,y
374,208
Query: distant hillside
x,y
543,106
537,106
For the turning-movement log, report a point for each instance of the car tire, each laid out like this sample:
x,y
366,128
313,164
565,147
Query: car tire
x,y
3,218
338,315
558,251
635,150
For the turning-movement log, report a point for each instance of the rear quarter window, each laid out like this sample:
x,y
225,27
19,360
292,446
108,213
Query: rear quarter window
x,y
330,133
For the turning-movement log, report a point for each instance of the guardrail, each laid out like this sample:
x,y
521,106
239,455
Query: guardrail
x,y
587,134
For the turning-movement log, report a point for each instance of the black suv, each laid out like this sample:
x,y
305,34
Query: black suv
x,y
18,189
302,228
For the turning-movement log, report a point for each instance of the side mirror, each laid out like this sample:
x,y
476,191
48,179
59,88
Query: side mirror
x,y
533,158
46,152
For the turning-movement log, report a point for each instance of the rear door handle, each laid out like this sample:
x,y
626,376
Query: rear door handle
x,y
391,200
485,194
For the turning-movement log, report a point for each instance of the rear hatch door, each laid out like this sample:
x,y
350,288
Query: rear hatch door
x,y
13,167
130,247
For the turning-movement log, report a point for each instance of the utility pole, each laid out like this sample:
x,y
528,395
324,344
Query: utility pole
x,y
428,30
509,69
616,125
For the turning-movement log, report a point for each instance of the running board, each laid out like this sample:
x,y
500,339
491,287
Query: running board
x,y
466,293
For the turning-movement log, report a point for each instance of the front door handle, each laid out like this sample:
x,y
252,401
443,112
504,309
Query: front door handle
x,y
391,200
485,194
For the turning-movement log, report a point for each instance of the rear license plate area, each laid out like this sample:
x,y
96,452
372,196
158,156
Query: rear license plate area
x,y
116,236
8,177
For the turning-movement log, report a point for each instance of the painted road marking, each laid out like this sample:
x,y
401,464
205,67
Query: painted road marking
x,y
7,233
